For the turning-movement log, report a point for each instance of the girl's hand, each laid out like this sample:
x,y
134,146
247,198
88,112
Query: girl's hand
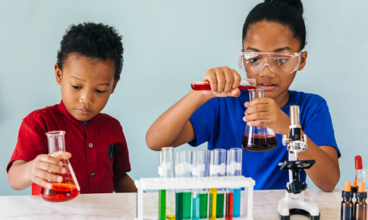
x,y
44,167
224,82
264,112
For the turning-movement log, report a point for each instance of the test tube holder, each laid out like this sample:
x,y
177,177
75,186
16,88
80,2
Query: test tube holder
x,y
197,183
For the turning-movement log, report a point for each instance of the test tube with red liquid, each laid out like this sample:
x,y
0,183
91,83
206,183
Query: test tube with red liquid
x,y
233,168
200,85
68,189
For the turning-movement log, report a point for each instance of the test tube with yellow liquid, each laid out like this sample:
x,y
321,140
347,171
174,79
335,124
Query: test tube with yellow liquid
x,y
217,196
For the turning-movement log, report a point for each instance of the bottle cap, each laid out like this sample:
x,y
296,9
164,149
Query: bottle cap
x,y
361,187
355,184
347,186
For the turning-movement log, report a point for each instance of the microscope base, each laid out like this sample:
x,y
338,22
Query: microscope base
x,y
294,204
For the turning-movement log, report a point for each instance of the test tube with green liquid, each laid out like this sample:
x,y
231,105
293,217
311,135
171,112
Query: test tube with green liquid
x,y
217,196
201,162
166,204
233,168
183,168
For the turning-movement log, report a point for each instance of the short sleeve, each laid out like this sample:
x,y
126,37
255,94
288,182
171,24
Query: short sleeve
x,y
319,127
31,141
204,121
121,161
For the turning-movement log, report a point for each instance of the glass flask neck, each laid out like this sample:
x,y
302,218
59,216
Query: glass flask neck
x,y
255,93
56,141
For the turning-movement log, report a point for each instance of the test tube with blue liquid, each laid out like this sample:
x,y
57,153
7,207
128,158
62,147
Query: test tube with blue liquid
x,y
183,168
201,167
217,169
166,207
233,168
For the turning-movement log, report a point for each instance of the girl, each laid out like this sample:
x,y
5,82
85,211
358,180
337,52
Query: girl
x,y
273,40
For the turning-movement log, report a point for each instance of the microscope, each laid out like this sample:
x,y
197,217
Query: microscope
x,y
294,203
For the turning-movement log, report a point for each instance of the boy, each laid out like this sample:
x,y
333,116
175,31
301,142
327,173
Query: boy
x,y
88,69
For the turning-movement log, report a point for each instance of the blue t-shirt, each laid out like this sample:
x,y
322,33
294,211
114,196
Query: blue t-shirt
x,y
220,122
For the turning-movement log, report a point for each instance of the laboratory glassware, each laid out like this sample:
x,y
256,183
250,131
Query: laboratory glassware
x,y
67,189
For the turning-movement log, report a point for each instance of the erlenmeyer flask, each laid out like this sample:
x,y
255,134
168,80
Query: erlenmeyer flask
x,y
68,189
258,138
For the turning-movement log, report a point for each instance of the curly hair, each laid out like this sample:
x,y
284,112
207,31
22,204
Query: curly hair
x,y
97,41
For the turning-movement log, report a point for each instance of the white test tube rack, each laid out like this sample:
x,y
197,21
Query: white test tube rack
x,y
197,183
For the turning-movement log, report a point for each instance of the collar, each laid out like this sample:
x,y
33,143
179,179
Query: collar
x,y
70,117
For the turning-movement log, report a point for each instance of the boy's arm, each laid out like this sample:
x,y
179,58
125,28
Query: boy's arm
x,y
173,127
124,184
22,174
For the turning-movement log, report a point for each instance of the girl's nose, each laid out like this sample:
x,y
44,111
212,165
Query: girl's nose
x,y
267,71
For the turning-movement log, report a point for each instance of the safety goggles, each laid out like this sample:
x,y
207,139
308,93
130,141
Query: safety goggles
x,y
277,62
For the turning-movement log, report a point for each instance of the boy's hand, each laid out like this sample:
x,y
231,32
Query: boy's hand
x,y
264,112
224,82
44,166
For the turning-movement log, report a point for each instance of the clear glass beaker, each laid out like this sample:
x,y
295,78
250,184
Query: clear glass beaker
x,y
258,138
68,189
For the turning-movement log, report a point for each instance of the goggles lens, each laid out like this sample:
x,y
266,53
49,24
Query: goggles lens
x,y
278,63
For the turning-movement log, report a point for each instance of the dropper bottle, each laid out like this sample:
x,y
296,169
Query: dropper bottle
x,y
347,203
354,188
361,204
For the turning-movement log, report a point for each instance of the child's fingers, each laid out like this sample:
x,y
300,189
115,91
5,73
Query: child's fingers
x,y
257,108
256,116
48,159
229,79
50,167
42,183
210,76
61,155
259,123
48,176
221,80
237,79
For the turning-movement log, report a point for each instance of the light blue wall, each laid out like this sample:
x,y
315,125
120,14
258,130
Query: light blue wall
x,y
167,45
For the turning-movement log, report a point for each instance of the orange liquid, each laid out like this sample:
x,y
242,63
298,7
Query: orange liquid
x,y
60,192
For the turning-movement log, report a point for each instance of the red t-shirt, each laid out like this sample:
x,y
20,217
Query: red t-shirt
x,y
98,146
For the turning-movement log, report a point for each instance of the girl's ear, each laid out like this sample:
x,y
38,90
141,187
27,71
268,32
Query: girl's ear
x,y
58,74
303,60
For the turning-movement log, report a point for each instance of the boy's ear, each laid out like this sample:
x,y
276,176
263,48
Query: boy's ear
x,y
303,60
58,74
115,83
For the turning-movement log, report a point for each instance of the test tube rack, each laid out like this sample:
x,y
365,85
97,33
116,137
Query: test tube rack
x,y
197,183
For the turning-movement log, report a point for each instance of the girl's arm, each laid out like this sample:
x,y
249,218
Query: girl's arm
x,y
173,127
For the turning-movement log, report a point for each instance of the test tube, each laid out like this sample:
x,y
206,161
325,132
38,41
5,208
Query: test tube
x,y
166,197
201,167
184,196
233,168
217,168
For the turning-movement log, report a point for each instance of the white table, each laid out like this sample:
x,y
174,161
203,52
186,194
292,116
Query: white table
x,y
123,206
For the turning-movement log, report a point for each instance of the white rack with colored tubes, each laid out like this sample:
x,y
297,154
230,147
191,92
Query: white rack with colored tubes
x,y
197,183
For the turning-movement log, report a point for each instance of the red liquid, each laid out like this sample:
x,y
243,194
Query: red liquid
x,y
358,162
206,86
260,142
229,206
60,192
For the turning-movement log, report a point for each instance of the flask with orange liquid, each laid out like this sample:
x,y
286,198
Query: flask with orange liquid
x,y
68,189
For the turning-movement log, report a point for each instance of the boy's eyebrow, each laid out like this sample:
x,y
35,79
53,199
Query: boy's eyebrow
x,y
77,78
107,84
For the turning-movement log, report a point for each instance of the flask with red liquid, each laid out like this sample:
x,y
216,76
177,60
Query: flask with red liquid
x,y
68,189
258,138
